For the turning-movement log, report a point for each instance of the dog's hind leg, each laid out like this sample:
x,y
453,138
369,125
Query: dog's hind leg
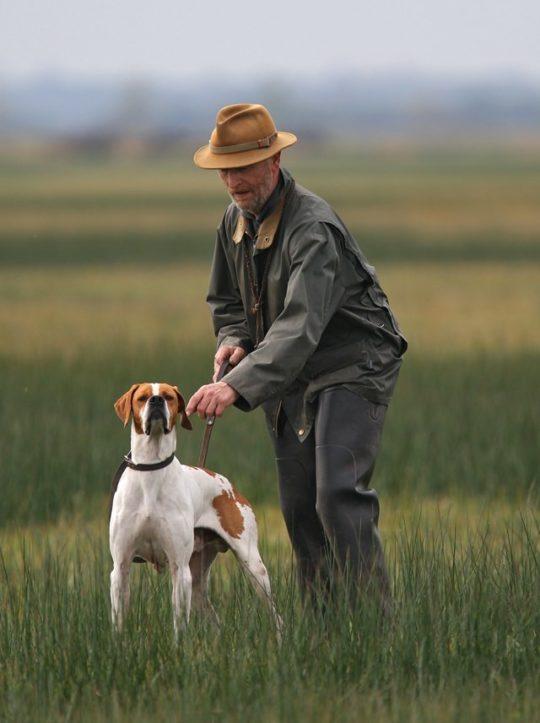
x,y
249,558
200,568
207,546
119,592
233,521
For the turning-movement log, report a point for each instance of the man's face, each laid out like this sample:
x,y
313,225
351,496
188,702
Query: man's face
x,y
250,186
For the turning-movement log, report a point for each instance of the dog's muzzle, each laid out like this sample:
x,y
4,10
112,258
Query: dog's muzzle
x,y
156,413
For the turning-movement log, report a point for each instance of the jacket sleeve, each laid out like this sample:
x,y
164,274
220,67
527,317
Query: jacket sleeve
x,y
227,309
313,294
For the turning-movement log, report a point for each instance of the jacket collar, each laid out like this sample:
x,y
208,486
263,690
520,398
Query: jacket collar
x,y
267,229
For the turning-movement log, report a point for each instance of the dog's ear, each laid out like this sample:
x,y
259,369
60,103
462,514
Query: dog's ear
x,y
122,406
182,410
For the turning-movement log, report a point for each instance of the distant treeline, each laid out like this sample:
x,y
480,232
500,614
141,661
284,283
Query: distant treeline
x,y
334,106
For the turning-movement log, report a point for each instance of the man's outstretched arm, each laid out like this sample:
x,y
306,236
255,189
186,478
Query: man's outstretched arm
x,y
313,295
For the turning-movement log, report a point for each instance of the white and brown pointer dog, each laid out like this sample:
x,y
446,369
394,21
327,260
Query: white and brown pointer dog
x,y
164,512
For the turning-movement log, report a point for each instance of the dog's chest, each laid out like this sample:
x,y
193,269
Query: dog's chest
x,y
154,495
153,532
153,509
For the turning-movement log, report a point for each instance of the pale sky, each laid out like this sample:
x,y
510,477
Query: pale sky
x,y
175,38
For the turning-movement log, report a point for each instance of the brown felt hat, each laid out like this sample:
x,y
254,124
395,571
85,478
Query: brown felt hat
x,y
244,134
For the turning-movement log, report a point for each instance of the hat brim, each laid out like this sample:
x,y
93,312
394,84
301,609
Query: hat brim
x,y
205,158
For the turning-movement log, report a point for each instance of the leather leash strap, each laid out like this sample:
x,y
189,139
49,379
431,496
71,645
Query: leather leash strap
x,y
223,369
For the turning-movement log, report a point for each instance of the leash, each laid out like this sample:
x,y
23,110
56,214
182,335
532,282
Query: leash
x,y
210,421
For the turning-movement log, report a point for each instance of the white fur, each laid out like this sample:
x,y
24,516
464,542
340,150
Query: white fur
x,y
154,515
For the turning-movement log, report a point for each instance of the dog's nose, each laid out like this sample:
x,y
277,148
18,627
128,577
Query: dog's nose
x,y
155,401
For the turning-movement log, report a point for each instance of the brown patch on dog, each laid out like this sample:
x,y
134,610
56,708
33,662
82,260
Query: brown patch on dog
x,y
131,402
241,499
139,399
182,409
122,406
227,506
137,423
176,404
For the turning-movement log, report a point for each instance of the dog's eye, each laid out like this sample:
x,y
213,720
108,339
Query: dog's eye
x,y
143,398
168,397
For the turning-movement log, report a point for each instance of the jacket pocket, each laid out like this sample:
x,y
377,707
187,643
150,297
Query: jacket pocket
x,y
273,411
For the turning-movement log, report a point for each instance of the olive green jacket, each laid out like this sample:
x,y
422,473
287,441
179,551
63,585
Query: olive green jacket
x,y
326,319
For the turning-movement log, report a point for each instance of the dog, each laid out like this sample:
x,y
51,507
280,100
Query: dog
x,y
171,514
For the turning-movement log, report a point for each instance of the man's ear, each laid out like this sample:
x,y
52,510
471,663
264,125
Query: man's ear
x,y
122,406
182,410
276,159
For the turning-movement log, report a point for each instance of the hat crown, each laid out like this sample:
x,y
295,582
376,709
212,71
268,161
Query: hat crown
x,y
242,123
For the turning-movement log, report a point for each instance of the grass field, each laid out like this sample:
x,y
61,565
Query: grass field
x,y
103,272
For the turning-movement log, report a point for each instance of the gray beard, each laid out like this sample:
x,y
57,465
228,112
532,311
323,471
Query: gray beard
x,y
254,211
258,202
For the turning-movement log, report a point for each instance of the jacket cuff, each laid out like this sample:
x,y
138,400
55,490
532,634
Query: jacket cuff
x,y
246,401
241,404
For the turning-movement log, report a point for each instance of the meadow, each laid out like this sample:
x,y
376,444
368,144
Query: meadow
x,y
103,272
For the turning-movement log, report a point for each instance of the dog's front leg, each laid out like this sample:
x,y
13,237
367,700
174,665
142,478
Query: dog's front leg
x,y
119,592
181,595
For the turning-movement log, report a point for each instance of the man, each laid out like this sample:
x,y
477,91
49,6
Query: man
x,y
300,315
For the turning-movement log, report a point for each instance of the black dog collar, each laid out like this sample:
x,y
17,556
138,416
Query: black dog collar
x,y
147,467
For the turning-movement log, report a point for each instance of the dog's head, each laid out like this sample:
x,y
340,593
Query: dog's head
x,y
155,408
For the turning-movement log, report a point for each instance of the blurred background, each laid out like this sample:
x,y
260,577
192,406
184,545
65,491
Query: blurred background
x,y
420,125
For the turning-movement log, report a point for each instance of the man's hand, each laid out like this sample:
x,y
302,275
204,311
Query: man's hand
x,y
212,399
232,354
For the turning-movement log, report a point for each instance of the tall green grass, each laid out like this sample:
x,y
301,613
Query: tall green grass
x,y
458,426
464,631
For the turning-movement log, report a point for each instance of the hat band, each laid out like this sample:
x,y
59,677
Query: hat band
x,y
250,146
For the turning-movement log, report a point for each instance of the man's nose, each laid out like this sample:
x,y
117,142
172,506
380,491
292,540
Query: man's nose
x,y
155,401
